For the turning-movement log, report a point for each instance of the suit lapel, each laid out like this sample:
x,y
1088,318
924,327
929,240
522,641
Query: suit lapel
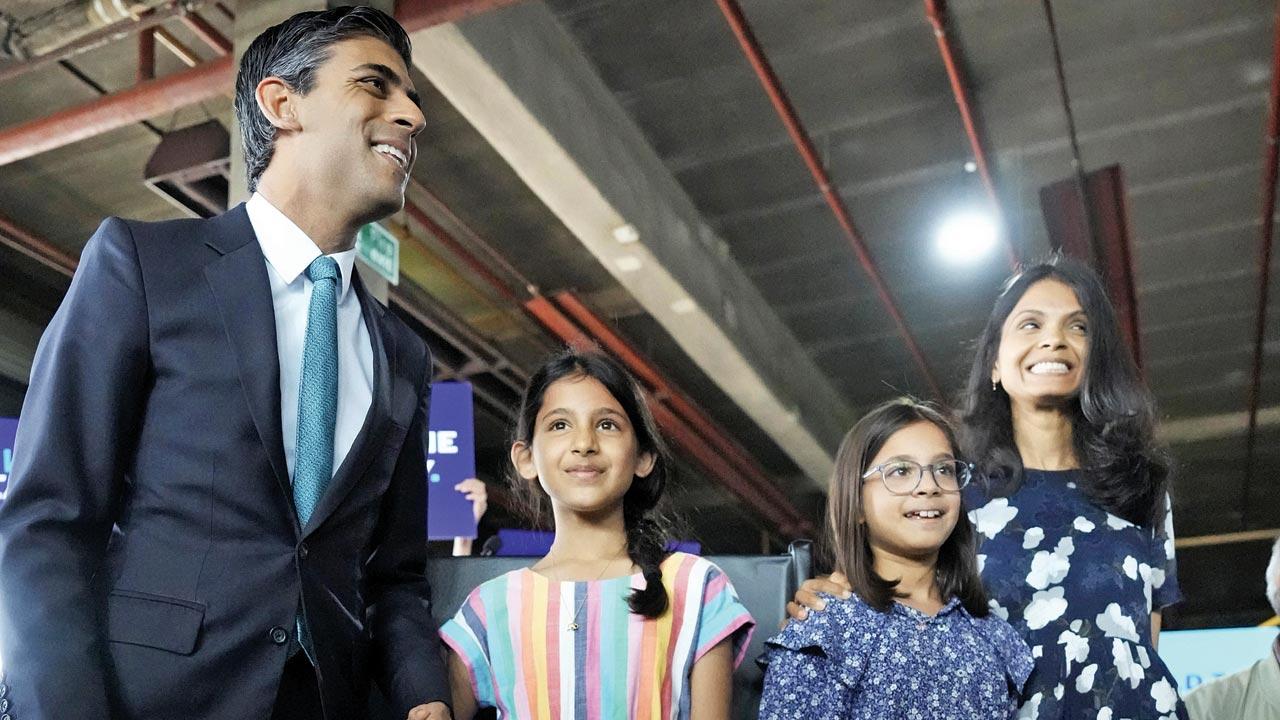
x,y
384,367
238,280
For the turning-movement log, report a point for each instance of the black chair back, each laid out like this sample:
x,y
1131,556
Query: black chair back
x,y
764,584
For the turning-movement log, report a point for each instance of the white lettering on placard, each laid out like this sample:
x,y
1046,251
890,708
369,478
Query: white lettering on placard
x,y
441,442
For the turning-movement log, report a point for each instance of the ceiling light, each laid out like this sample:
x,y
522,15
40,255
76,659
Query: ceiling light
x,y
627,263
626,234
971,166
967,236
683,306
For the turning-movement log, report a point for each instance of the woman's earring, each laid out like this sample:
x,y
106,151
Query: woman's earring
x,y
993,386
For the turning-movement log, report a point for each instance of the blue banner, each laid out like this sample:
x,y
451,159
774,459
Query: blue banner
x,y
451,458
8,431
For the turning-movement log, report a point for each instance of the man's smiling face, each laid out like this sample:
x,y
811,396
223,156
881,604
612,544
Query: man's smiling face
x,y
357,127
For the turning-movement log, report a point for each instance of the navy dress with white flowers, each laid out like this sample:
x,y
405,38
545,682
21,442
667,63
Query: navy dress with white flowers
x,y
1080,585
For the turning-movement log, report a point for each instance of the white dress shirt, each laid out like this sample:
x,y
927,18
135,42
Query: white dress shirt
x,y
289,251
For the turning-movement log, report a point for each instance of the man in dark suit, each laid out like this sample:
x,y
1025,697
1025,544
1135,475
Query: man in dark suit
x,y
218,502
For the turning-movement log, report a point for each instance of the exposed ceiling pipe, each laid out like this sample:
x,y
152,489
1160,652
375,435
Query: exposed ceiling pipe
x,y
800,136
149,99
1077,165
773,506
1271,164
96,39
674,428
418,14
936,10
680,403
216,41
36,248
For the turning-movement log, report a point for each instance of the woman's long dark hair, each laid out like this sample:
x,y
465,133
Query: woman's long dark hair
x,y
647,530
956,572
1112,416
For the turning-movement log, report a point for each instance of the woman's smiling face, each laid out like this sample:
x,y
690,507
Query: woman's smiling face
x,y
1044,345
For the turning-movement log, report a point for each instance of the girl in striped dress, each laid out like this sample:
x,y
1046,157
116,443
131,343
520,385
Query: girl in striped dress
x,y
608,624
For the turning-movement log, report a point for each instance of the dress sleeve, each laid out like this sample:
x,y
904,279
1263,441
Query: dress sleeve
x,y
1164,563
842,634
723,616
467,635
802,684
1009,646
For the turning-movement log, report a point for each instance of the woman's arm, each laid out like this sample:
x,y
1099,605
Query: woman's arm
x,y
1155,630
711,683
464,696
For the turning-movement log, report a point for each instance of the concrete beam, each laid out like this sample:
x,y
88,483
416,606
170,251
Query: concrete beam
x,y
1214,427
521,80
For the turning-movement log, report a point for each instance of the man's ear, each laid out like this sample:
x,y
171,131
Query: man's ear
x,y
522,459
278,103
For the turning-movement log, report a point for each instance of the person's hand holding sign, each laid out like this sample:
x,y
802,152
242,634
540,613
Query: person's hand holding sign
x,y
475,491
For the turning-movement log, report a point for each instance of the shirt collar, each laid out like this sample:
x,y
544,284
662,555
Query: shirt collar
x,y
287,248
953,604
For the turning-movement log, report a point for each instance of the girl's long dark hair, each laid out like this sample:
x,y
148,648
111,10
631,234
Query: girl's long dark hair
x,y
956,572
647,530
1112,417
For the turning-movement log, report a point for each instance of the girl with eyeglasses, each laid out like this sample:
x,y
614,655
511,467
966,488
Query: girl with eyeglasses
x,y
915,638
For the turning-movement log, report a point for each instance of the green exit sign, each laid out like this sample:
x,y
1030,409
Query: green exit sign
x,y
380,250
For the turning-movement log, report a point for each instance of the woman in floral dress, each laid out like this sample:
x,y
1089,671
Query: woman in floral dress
x,y
1071,504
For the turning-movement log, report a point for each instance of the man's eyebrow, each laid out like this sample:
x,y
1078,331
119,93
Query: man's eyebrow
x,y
392,77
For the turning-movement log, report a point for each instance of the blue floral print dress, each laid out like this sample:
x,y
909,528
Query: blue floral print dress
x,y
1080,585
851,661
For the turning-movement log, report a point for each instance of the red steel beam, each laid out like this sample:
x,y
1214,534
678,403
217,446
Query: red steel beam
x,y
110,112
936,10
701,423
782,104
685,438
418,14
1271,167
36,248
146,56
207,33
458,249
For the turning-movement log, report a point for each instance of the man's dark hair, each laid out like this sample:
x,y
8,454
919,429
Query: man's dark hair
x,y
292,51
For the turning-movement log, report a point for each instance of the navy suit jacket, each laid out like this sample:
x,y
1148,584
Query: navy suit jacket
x,y
150,556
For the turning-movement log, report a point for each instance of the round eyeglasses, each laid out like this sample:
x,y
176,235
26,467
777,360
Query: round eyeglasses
x,y
902,477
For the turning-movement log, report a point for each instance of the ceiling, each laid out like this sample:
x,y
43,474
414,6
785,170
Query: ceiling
x,y
1176,93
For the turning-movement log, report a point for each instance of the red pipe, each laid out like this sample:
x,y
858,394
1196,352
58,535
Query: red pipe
x,y
778,96
461,251
418,14
110,112
1271,159
146,56
936,10
673,427
701,423
38,249
207,33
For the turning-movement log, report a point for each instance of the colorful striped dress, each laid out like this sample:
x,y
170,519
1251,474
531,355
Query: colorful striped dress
x,y
513,635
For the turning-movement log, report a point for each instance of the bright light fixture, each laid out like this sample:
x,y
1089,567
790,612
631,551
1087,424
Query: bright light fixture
x,y
971,166
966,236
626,234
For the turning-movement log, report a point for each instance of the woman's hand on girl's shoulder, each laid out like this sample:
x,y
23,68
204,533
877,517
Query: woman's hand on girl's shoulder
x,y
809,595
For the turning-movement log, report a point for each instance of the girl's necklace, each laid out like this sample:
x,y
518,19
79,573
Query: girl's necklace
x,y
573,622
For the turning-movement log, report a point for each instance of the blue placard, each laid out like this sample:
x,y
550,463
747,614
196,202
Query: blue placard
x,y
451,458
1197,656
8,431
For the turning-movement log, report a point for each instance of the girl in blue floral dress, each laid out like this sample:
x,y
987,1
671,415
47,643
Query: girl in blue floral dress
x,y
916,638
1071,501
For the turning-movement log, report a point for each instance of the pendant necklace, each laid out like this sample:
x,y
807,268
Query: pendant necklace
x,y
573,623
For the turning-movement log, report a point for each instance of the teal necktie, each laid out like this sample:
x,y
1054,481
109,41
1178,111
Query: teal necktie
x,y
317,402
